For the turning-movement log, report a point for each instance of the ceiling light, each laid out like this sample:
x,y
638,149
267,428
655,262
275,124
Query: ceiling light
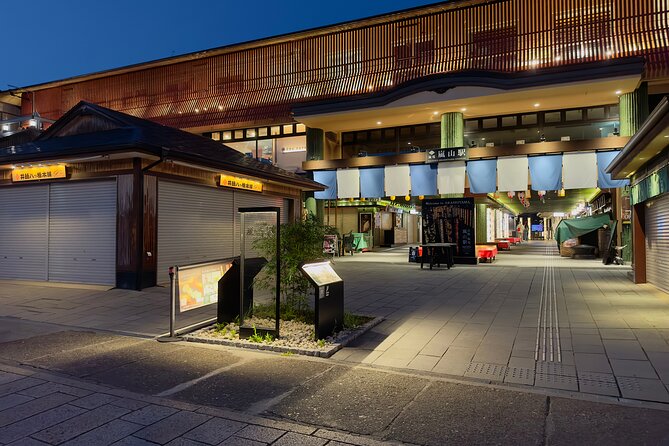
x,y
537,104
197,110
619,92
666,136
220,107
558,58
463,109
378,122
435,113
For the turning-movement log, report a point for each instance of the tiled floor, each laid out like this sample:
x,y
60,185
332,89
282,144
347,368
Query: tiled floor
x,y
595,331
530,318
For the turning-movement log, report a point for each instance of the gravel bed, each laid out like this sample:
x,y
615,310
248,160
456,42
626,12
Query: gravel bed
x,y
295,337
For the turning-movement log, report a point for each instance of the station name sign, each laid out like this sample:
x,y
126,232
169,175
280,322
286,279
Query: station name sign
x,y
452,154
240,183
38,173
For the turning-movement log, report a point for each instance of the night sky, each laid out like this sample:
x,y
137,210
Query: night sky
x,y
46,40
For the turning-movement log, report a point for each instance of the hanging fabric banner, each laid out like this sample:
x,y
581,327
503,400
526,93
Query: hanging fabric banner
x,y
326,178
512,174
348,183
604,180
397,180
579,170
546,172
482,175
451,177
423,179
371,182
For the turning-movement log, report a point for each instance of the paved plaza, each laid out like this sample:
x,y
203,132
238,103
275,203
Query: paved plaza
x,y
546,350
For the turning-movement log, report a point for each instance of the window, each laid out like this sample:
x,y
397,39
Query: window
x,y
262,131
239,134
529,119
275,130
596,113
509,121
574,115
552,117
216,136
300,128
227,136
288,129
490,123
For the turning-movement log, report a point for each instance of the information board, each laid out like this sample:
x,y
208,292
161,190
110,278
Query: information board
x,y
321,273
451,220
198,286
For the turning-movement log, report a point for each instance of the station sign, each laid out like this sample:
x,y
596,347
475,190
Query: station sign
x,y
452,154
38,173
241,183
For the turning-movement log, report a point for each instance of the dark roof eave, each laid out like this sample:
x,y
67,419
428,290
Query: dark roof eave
x,y
305,184
656,123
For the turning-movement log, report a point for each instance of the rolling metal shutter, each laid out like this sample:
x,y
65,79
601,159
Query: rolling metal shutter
x,y
24,213
195,224
657,243
248,199
82,232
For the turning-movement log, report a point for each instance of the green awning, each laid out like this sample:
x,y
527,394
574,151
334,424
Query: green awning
x,y
578,226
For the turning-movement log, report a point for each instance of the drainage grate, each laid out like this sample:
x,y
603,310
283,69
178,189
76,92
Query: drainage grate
x,y
598,387
519,375
488,372
556,381
554,368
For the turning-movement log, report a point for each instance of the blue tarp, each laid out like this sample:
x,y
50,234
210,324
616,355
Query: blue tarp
x,y
372,182
546,172
604,180
482,175
423,179
327,178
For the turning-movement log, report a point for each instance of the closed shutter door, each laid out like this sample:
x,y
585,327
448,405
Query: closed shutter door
x,y
657,243
248,200
82,232
194,225
23,232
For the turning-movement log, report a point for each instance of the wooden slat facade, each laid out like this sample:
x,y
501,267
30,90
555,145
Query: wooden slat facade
x,y
258,83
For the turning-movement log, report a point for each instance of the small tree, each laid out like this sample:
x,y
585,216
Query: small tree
x,y
301,241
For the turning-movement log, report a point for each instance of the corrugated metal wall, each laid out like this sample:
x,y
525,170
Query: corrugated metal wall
x,y
259,85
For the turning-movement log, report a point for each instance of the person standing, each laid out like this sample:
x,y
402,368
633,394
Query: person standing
x,y
520,228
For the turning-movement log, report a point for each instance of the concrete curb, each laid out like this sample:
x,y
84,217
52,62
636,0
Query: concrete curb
x,y
324,353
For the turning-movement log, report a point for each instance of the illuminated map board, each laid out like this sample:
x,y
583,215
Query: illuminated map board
x,y
321,273
198,286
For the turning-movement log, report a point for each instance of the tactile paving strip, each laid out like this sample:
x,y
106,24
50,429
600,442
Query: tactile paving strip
x,y
598,387
556,381
554,368
519,375
488,372
601,377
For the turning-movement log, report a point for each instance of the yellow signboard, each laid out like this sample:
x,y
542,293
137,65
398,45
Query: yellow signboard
x,y
38,173
241,183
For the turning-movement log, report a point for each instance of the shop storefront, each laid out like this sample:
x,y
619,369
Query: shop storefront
x,y
644,162
109,199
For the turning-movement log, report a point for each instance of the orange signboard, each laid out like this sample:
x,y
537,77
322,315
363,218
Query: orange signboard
x,y
38,173
241,183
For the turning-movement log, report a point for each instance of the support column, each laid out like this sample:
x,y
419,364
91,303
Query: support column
x,y
315,143
639,242
452,130
481,224
633,110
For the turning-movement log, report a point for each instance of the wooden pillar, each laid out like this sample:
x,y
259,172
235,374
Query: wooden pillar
x,y
149,272
639,242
